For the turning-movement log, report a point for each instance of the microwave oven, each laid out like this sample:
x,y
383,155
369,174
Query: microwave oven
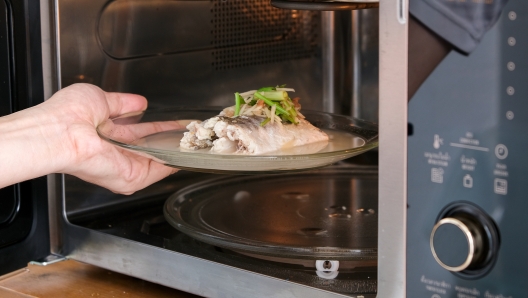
x,y
442,197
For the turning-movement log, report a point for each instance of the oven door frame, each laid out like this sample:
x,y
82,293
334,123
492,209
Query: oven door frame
x,y
393,126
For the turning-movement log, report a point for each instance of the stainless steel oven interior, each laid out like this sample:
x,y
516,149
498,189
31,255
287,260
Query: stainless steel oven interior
x,y
190,53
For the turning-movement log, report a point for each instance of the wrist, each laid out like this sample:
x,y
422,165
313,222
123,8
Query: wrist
x,y
31,142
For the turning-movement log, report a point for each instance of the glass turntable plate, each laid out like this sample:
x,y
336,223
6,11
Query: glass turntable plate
x,y
157,134
329,213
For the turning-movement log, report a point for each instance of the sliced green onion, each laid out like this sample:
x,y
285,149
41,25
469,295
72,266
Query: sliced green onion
x,y
275,95
266,89
289,118
271,103
293,112
238,101
265,121
288,106
271,96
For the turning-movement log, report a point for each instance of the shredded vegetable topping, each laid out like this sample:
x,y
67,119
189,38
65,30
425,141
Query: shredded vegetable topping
x,y
272,103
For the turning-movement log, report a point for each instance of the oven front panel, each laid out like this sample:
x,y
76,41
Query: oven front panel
x,y
467,154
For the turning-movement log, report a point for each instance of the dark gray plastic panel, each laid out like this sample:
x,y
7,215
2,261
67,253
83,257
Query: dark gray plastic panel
x,y
469,144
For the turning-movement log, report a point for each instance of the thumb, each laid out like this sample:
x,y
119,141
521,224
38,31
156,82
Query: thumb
x,y
122,103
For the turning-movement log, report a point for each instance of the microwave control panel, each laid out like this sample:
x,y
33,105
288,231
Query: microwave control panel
x,y
467,222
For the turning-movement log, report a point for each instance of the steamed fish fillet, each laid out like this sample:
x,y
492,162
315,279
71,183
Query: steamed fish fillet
x,y
244,134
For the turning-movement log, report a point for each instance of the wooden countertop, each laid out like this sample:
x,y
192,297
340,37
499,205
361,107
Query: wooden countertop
x,y
74,279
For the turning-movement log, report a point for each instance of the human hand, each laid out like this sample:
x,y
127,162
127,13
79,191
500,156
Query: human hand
x,y
64,139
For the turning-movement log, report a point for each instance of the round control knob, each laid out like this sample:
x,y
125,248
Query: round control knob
x,y
457,243
465,240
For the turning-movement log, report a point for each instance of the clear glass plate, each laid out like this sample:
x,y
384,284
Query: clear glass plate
x,y
329,213
157,134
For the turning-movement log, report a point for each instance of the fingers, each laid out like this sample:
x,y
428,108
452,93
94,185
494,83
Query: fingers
x,y
155,172
121,171
143,170
95,160
92,100
122,103
146,172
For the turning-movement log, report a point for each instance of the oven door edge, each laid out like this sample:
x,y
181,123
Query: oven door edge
x,y
51,84
393,36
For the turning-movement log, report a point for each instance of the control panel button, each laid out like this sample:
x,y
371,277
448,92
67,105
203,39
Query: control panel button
x,y
500,186
467,181
501,151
